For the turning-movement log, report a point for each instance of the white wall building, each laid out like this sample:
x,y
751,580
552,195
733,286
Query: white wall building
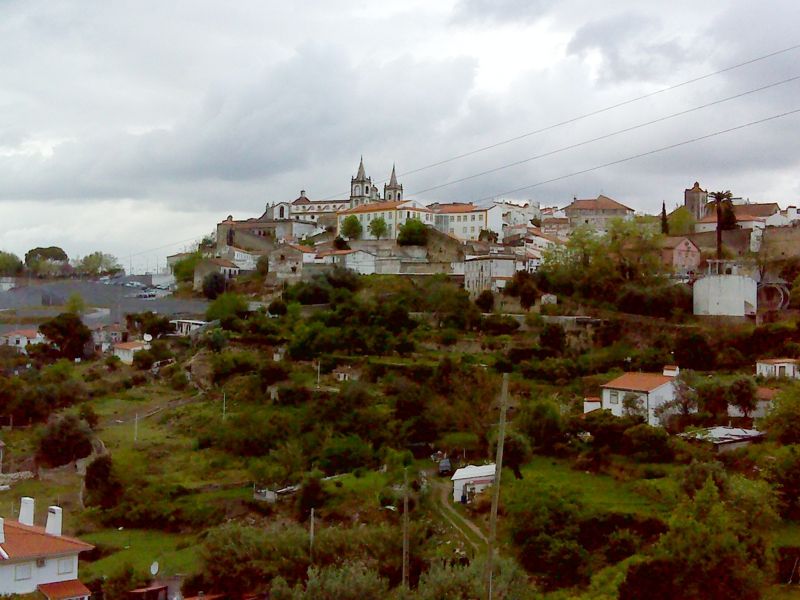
x,y
465,221
20,339
185,327
471,480
395,214
651,390
360,261
126,350
39,558
778,367
490,272
724,293
515,212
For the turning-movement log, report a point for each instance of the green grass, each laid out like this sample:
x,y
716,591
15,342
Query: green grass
x,y
600,492
788,534
175,553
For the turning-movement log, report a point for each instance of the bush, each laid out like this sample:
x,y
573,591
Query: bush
x,y
64,440
342,454
277,307
213,285
227,306
412,233
499,325
485,301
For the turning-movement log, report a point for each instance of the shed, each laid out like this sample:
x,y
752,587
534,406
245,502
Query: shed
x,y
471,480
725,439
778,367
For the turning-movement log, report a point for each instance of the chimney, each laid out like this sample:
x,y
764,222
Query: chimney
x,y
2,531
26,511
54,518
302,193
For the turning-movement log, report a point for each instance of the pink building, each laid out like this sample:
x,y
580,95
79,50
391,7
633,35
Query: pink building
x,y
680,254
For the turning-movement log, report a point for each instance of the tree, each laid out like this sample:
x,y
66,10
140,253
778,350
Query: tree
x,y
213,285
277,307
742,394
103,486
378,228
487,235
692,351
553,339
516,452
184,268
783,421
75,304
227,306
681,221
68,334
540,420
98,263
64,440
312,494
53,253
412,233
664,221
351,228
339,243
719,198
685,401
10,264
485,301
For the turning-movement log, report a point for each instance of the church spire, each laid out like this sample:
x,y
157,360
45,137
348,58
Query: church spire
x,y
393,191
393,178
361,175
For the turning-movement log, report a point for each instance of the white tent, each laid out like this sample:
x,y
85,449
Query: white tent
x,y
472,478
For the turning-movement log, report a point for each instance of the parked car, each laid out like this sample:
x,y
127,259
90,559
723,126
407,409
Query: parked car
x,y
445,468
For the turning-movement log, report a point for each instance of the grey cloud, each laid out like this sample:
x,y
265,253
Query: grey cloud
x,y
500,11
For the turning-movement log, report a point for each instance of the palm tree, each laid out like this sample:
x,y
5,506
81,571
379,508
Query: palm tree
x,y
719,198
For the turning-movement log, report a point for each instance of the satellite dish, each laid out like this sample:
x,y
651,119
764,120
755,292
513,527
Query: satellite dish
x,y
147,337
154,568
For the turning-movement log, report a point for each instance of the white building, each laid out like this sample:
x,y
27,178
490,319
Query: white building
x,y
20,339
126,350
360,261
515,212
465,221
725,439
490,272
471,480
185,327
724,292
394,214
40,558
246,260
596,213
778,367
649,390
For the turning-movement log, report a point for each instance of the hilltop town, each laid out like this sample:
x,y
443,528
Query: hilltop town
x,y
311,402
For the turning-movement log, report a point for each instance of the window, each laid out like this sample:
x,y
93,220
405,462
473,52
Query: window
x,y
473,217
613,397
22,572
65,565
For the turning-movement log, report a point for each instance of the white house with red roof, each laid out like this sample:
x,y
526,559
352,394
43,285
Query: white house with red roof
x,y
40,558
20,339
649,390
778,367
125,351
465,221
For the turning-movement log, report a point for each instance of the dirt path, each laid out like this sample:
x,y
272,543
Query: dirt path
x,y
467,528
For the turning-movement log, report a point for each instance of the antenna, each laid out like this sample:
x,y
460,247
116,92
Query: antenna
x,y
154,568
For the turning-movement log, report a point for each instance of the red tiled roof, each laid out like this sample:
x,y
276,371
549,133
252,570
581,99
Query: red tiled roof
x,y
776,361
555,221
223,262
763,393
379,206
601,202
28,541
638,382
61,590
302,248
674,242
28,333
130,345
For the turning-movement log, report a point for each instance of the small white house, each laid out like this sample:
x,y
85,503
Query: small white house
x,y
185,327
346,373
20,339
125,350
650,390
471,480
778,367
40,559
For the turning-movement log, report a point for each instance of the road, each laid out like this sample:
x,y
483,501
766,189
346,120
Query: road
x,y
469,531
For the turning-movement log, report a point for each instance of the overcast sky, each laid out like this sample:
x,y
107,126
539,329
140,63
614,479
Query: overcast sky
x,y
134,127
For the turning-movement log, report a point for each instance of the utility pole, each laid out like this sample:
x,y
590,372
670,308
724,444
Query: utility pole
x,y
136,428
498,469
224,406
317,373
311,538
405,528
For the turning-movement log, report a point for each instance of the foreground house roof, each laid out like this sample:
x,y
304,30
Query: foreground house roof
x,y
61,590
599,203
638,382
29,541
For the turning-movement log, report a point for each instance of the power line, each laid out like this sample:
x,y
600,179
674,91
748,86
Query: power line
x,y
587,115
642,154
606,136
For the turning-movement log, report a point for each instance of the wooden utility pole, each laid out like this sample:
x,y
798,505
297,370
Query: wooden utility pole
x,y
311,538
498,469
405,528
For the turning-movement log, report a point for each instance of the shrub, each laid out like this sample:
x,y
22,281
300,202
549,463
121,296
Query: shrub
x,y
64,440
213,285
277,307
485,301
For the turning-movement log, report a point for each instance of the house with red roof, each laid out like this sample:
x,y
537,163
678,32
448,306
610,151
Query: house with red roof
x,y
20,339
40,559
640,393
596,213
